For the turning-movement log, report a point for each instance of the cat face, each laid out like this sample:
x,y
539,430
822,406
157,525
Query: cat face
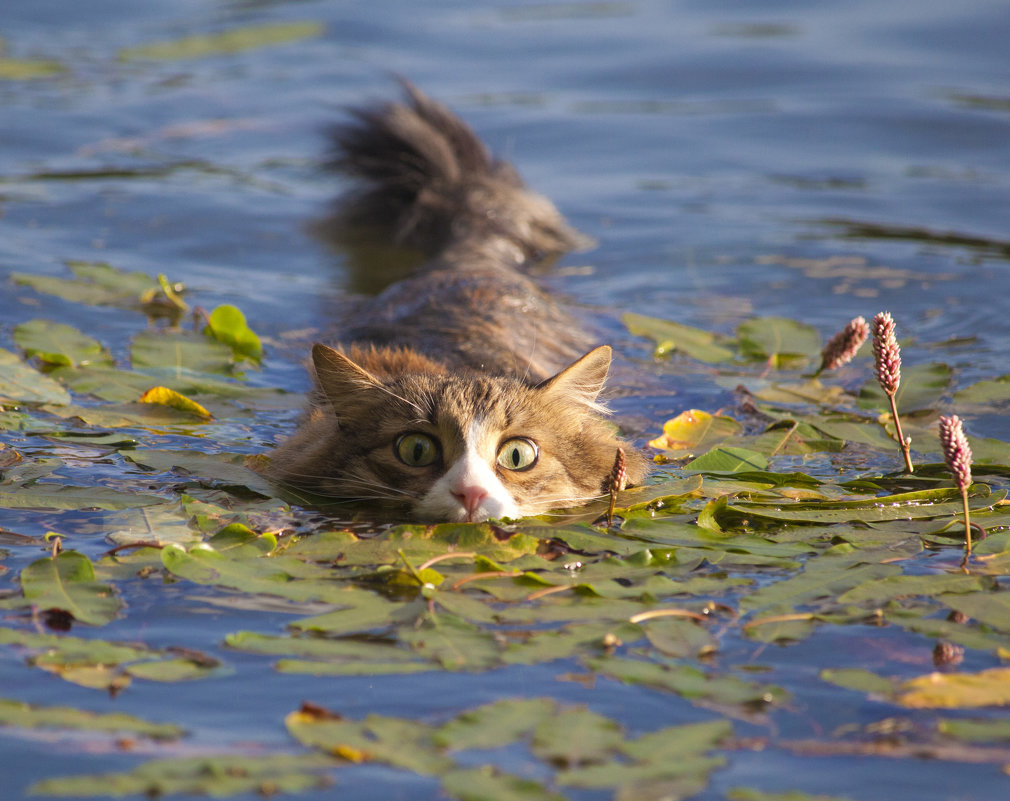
x,y
457,447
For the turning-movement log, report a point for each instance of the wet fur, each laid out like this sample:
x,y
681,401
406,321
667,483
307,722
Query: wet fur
x,y
467,344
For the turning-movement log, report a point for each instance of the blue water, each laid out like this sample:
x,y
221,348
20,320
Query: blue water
x,y
719,153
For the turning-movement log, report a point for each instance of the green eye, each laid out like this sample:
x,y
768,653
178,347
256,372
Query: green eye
x,y
517,454
417,450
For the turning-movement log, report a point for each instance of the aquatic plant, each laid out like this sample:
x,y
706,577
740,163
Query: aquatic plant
x,y
887,367
842,347
957,454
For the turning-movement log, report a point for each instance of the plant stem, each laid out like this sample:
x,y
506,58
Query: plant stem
x,y
906,449
967,521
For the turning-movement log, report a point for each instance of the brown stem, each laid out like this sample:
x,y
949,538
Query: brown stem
x,y
906,449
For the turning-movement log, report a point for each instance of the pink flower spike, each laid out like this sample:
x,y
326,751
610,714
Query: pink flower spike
x,y
886,353
956,450
842,347
957,454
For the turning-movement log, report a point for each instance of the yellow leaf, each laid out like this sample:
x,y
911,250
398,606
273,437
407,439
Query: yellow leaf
x,y
163,396
350,753
690,429
957,690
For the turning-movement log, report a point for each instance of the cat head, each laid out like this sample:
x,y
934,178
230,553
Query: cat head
x,y
457,447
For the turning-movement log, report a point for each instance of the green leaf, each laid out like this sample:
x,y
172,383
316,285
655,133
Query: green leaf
x,y
487,783
95,283
215,776
747,794
28,716
235,40
894,587
822,578
669,336
60,496
227,324
976,731
691,683
22,384
67,583
393,741
219,468
727,460
922,388
60,344
495,725
778,339
576,736
20,69
180,350
858,679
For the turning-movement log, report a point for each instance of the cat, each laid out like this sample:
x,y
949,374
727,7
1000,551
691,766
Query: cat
x,y
462,392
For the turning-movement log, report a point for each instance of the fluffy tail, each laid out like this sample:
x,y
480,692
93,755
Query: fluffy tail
x,y
427,182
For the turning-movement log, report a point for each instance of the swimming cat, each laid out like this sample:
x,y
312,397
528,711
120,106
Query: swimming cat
x,y
459,393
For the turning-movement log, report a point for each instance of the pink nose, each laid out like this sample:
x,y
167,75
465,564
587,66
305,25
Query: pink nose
x,y
470,498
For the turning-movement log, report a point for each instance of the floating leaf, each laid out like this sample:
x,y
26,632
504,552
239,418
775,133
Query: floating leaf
x,y
779,340
922,387
21,383
181,350
235,40
61,496
858,679
127,385
695,430
169,397
976,731
67,583
670,336
60,344
14,69
28,716
215,776
495,725
227,324
728,460
394,741
690,683
956,690
95,283
487,783
747,794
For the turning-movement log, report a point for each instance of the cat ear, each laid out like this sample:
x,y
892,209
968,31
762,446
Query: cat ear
x,y
583,380
338,377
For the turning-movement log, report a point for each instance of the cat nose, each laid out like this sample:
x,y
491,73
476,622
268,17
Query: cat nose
x,y
470,498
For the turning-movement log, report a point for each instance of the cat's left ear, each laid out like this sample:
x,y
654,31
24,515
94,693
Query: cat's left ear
x,y
582,381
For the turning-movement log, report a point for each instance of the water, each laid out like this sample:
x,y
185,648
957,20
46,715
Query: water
x,y
722,154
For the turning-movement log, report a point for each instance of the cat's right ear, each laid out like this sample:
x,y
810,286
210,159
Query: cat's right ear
x,y
340,379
